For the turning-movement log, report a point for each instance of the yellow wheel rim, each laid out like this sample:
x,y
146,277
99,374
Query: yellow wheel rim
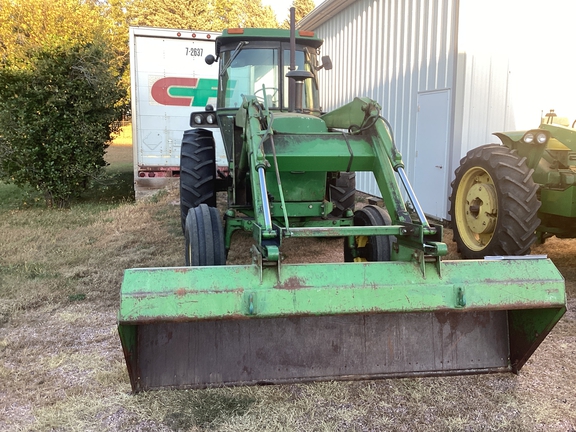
x,y
361,241
476,208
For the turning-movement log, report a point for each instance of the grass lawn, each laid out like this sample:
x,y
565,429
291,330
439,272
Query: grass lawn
x,y
62,367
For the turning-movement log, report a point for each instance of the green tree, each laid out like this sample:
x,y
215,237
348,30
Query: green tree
x,y
57,107
302,8
84,43
117,22
62,64
26,24
210,15
32,23
240,13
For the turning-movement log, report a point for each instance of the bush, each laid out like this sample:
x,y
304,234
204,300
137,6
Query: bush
x,y
57,111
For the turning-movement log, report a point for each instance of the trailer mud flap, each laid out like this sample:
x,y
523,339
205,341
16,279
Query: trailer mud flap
x,y
198,327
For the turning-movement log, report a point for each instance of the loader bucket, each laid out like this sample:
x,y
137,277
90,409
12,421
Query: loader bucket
x,y
201,327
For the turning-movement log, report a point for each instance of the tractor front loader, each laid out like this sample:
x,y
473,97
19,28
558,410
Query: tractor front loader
x,y
394,308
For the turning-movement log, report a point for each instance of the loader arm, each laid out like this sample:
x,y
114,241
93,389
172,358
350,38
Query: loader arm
x,y
251,117
362,115
269,142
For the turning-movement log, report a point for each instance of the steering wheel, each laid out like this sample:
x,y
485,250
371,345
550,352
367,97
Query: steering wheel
x,y
270,96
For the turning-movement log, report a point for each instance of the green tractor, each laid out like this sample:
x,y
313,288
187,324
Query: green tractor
x,y
393,308
506,197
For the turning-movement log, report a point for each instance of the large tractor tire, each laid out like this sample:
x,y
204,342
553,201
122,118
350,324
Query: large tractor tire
x,y
343,193
197,171
370,248
494,204
204,236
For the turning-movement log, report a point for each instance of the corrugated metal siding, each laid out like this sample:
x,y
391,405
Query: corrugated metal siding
x,y
484,106
389,50
530,71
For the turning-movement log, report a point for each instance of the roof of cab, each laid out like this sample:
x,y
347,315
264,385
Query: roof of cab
x,y
254,34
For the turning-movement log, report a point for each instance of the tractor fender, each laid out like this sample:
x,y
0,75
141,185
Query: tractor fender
x,y
526,144
509,139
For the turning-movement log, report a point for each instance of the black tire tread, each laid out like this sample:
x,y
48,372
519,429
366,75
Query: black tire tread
x,y
204,235
518,202
197,171
343,193
380,247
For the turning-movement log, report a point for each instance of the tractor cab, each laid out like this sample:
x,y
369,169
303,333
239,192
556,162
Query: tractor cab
x,y
259,68
256,62
280,73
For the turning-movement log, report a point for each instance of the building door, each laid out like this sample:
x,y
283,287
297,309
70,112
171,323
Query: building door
x,y
430,156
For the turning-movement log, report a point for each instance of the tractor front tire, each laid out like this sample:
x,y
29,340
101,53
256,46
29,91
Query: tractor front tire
x,y
370,248
343,193
494,204
197,171
204,236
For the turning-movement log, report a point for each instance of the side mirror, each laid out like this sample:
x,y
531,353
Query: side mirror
x,y
326,63
210,59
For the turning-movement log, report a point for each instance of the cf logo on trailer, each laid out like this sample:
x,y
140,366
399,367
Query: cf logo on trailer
x,y
184,91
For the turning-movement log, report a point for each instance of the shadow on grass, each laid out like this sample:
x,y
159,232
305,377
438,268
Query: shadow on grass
x,y
113,186
13,197
206,408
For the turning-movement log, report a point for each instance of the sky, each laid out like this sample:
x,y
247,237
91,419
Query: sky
x,y
281,7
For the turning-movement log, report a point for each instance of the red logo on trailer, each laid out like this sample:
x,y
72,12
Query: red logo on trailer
x,y
187,92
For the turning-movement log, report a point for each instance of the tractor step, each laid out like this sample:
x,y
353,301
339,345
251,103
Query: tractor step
x,y
199,327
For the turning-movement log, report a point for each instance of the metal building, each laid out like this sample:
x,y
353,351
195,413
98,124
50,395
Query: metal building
x,y
447,74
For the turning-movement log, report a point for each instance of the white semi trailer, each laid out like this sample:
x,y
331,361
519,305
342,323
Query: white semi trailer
x,y
169,80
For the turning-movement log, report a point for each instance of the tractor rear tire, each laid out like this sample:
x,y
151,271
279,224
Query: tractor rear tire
x,y
204,236
494,204
370,248
343,193
197,171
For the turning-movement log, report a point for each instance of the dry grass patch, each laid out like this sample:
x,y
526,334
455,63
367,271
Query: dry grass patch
x,y
123,137
62,367
60,256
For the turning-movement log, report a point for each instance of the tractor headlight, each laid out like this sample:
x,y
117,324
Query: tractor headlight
x,y
541,138
204,119
536,137
528,138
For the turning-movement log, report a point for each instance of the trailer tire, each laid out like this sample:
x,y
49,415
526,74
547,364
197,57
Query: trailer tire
x,y
370,248
204,236
494,204
343,193
197,171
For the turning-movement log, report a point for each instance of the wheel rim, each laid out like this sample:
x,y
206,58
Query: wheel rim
x,y
476,208
361,242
